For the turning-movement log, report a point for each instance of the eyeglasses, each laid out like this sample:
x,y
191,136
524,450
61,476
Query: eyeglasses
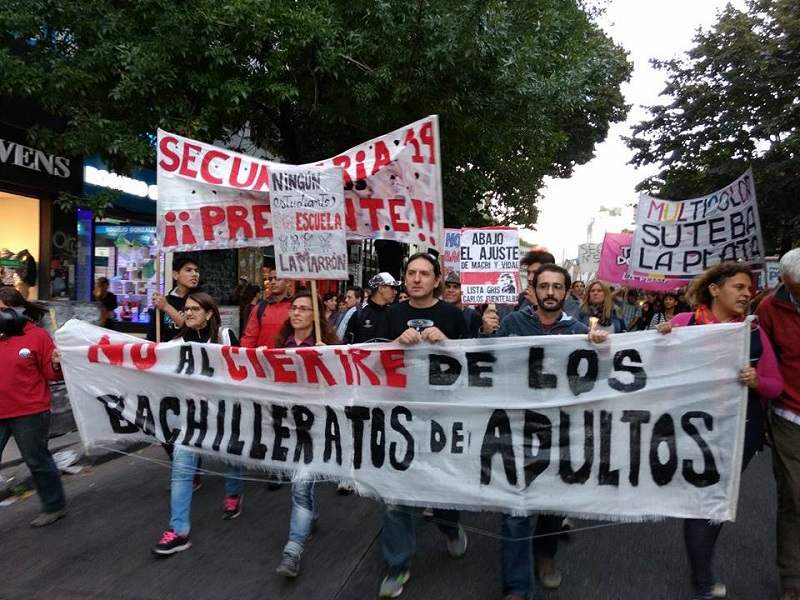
x,y
192,309
543,287
300,309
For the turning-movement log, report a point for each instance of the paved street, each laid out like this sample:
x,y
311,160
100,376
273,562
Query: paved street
x,y
119,509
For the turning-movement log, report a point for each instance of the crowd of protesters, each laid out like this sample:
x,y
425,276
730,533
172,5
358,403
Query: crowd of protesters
x,y
551,304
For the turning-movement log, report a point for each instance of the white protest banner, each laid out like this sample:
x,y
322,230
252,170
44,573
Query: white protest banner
x,y
589,258
307,206
680,239
451,257
490,265
640,426
211,197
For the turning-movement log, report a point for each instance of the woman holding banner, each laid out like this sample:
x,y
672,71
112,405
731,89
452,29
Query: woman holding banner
x,y
201,324
721,294
598,303
298,332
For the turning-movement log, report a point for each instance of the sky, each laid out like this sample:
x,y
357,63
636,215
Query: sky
x,y
648,29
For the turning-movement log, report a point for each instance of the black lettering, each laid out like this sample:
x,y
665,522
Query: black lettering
x,y
333,436
235,444
144,416
663,433
279,451
582,383
377,438
606,476
186,361
357,416
221,409
535,463
565,470
497,440
207,369
173,405
478,363
457,439
443,369
194,423
710,474
639,376
438,437
636,418
536,379
394,421
114,406
303,421
258,450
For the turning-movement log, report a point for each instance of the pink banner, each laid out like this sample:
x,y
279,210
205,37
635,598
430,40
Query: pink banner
x,y
614,260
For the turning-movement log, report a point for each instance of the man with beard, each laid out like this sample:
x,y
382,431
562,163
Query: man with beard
x,y
550,284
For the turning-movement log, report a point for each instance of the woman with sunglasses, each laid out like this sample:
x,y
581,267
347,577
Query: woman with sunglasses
x,y
721,294
201,324
298,332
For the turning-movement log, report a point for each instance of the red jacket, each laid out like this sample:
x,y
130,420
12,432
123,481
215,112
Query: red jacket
x,y
262,333
781,320
26,370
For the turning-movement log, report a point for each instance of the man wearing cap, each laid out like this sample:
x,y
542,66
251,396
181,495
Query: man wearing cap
x,y
364,325
452,295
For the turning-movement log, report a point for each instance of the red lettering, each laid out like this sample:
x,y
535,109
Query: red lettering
x,y
314,364
358,357
373,205
261,220
350,213
382,157
211,216
344,162
348,372
237,219
263,179
235,168
205,173
165,147
278,360
236,372
426,135
190,152
252,355
397,223
143,355
393,361
410,139
112,352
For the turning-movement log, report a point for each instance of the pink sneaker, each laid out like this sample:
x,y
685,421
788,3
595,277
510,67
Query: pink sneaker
x,y
232,507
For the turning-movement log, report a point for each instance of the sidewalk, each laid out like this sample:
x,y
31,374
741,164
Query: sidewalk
x,y
14,474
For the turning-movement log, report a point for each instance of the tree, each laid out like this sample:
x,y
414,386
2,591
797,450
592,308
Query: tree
x,y
523,89
733,105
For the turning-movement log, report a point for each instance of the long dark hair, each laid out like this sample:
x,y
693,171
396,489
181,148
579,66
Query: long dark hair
x,y
326,330
208,304
12,298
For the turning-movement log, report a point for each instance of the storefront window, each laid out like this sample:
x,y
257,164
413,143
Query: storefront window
x,y
126,255
19,243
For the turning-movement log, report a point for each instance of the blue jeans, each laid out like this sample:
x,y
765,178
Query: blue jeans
x,y
31,434
399,538
302,518
184,465
519,548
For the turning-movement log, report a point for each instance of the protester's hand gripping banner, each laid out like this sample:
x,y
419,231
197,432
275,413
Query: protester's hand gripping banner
x,y
211,197
614,260
490,265
680,239
634,428
307,206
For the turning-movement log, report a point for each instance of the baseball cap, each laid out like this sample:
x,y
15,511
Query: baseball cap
x,y
383,278
453,277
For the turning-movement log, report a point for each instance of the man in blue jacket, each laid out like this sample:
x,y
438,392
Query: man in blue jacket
x,y
550,284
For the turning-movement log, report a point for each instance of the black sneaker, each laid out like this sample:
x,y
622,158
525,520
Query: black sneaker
x,y
290,565
171,543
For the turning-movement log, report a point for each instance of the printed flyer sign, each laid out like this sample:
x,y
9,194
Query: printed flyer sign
x,y
490,265
308,222
452,251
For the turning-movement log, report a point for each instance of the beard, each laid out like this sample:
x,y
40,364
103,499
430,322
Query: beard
x,y
553,303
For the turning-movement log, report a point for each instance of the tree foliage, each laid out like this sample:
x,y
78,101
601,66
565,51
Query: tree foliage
x,y
733,104
523,89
